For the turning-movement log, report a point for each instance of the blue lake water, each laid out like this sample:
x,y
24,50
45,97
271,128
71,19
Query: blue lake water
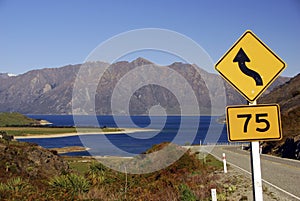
x,y
176,129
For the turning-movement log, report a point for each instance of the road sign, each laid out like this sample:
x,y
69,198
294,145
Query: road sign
x,y
253,123
250,66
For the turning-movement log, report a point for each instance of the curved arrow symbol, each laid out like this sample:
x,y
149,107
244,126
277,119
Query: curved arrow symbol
x,y
242,58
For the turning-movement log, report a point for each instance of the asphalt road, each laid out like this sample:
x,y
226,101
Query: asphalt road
x,y
283,174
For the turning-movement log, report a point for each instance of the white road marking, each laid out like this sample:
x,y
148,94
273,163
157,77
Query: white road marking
x,y
280,189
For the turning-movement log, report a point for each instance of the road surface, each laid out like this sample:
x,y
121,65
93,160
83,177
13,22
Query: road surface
x,y
283,174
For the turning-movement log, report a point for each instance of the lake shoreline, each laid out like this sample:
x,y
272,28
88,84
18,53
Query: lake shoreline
x,y
122,131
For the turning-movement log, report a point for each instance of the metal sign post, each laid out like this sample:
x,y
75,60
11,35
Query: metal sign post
x,y
256,169
250,67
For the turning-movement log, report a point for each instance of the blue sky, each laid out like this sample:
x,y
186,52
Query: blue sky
x,y
39,34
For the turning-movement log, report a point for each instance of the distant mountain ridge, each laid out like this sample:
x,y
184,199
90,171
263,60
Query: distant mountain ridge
x,y
7,75
49,90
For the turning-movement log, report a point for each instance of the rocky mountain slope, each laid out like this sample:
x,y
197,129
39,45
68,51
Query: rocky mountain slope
x,y
288,97
49,90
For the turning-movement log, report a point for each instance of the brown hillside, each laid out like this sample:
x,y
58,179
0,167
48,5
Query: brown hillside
x,y
288,97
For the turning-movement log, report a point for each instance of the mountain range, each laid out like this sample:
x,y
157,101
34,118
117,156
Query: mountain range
x,y
50,90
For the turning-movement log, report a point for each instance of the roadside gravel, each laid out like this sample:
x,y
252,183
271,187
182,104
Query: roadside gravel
x,y
237,186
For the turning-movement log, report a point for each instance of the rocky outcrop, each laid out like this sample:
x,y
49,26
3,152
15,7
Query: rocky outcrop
x,y
288,97
29,160
290,148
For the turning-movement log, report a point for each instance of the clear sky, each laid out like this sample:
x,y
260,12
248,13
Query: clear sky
x,y
53,33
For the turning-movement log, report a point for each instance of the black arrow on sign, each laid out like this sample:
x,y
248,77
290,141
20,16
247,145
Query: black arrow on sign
x,y
241,57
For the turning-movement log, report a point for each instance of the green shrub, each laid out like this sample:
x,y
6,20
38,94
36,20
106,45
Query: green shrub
x,y
16,185
96,173
14,189
71,183
186,194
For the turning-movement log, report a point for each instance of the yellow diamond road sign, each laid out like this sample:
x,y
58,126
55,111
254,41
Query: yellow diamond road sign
x,y
252,123
250,66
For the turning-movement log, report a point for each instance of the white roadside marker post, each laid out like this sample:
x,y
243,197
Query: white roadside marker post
x,y
224,163
256,169
213,194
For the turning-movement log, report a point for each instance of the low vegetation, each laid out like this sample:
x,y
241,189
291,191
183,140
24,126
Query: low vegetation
x,y
26,175
25,131
15,119
187,179
17,124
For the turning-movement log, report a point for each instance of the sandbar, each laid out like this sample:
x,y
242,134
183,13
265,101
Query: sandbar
x,y
124,131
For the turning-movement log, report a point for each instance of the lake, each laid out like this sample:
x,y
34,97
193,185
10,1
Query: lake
x,y
182,130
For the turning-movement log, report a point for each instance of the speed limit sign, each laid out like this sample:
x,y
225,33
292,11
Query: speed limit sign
x,y
253,123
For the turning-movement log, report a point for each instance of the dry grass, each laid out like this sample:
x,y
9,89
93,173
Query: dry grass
x,y
186,179
27,131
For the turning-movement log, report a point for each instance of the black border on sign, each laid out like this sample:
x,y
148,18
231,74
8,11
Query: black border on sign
x,y
269,83
260,139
